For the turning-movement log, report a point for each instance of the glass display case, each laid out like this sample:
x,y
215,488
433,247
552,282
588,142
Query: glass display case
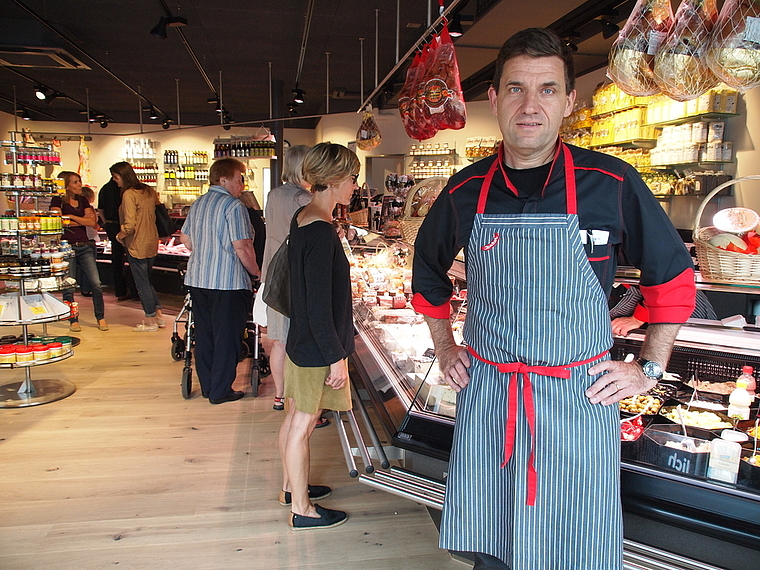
x,y
675,517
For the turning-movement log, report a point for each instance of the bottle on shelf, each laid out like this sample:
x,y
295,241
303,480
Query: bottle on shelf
x,y
740,400
747,374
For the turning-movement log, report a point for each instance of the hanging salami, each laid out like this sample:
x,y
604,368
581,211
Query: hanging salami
x,y
680,69
431,99
733,53
368,135
633,51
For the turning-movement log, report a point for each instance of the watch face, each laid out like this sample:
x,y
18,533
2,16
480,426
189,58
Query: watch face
x,y
652,369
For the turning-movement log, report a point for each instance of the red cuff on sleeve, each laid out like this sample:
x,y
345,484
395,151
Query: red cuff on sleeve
x,y
421,305
641,313
671,302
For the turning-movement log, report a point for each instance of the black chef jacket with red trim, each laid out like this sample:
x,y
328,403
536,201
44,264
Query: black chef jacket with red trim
x,y
612,197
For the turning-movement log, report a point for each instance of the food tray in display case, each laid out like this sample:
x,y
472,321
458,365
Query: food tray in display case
x,y
394,348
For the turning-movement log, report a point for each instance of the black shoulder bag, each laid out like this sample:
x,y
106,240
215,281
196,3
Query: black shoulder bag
x,y
277,287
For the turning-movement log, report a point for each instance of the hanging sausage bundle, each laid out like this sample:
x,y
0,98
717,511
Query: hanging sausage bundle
x,y
734,50
431,99
680,70
633,51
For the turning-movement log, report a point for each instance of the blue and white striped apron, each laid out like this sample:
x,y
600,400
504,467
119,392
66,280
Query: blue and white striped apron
x,y
534,472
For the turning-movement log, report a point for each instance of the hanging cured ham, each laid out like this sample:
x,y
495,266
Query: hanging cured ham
x,y
734,50
680,70
633,51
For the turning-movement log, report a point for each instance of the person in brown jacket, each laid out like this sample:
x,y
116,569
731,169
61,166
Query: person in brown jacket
x,y
137,215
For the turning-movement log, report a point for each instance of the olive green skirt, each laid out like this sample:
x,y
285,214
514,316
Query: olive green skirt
x,y
306,385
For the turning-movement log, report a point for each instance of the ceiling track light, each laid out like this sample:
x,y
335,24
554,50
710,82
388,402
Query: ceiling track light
x,y
176,21
455,27
103,124
166,123
25,114
573,47
153,115
609,29
298,96
160,29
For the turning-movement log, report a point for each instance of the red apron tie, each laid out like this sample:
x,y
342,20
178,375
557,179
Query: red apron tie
x,y
515,368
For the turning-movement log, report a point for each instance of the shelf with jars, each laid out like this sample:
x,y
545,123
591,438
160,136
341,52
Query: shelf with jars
x,y
34,155
27,264
185,157
476,148
432,159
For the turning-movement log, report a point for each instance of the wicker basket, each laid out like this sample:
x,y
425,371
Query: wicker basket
x,y
719,264
359,217
410,224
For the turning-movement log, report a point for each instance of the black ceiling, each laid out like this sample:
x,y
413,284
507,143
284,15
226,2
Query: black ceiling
x,y
111,55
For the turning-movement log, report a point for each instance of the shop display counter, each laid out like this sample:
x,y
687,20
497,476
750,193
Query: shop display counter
x,y
675,517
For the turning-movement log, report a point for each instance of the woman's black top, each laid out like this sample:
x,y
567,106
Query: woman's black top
x,y
321,322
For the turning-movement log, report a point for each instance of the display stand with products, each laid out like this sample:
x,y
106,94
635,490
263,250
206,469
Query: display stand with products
x,y
185,175
432,159
676,518
21,307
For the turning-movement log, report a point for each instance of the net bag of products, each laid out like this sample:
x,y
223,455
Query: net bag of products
x,y
680,70
409,102
443,97
728,250
733,53
368,135
632,53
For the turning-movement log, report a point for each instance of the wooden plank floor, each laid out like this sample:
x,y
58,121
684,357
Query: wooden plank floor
x,y
127,474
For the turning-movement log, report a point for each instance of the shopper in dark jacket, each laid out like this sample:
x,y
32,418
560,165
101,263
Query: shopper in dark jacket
x,y
321,328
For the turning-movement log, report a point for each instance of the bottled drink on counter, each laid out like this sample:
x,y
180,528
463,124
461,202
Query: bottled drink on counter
x,y
750,378
739,401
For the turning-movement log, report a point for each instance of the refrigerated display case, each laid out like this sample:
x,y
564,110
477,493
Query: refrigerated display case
x,y
673,520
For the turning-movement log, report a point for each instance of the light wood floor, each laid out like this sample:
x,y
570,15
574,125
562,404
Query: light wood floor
x,y
127,474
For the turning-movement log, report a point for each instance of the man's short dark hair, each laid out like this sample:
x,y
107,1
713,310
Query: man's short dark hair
x,y
536,42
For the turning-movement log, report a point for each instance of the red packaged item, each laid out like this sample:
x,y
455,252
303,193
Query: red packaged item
x,y
408,102
368,136
443,90
632,53
631,428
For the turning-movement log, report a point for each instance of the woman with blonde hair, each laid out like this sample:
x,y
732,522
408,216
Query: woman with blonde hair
x,y
321,335
81,215
137,215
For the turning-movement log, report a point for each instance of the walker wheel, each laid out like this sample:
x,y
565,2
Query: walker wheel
x,y
178,349
187,382
254,379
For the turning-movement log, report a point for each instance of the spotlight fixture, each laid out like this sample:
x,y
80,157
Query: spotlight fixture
x,y
25,114
176,21
455,27
298,96
45,93
103,124
160,29
571,45
609,29
292,109
153,115
167,122
217,104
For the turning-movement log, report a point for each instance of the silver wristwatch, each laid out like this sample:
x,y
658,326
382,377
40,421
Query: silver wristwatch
x,y
650,368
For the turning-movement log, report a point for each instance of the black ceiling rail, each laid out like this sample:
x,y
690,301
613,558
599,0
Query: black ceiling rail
x,y
59,95
53,29
190,50
578,25
28,107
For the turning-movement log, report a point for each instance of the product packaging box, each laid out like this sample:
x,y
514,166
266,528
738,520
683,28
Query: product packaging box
x,y
749,475
664,447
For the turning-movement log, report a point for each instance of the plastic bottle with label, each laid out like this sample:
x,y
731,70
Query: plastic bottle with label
x,y
739,401
750,378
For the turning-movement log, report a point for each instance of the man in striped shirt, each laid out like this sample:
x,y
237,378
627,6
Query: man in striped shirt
x,y
218,233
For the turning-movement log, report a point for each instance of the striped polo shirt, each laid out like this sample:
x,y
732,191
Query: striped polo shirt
x,y
215,220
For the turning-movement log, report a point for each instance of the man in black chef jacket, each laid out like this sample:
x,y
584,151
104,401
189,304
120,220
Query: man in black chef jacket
x,y
534,474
